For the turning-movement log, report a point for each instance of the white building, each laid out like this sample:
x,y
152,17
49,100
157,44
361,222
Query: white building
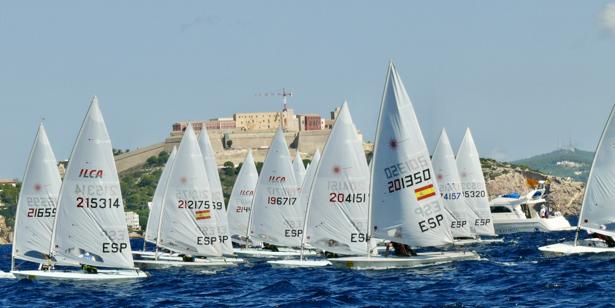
x,y
132,220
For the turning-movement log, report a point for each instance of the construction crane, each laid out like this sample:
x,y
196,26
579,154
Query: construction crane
x,y
284,94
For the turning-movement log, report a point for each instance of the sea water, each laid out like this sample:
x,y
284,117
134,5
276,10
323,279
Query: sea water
x,y
510,273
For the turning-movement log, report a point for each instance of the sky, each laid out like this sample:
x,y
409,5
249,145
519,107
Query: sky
x,y
524,75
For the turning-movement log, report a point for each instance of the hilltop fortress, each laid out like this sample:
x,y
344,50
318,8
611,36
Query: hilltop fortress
x,y
231,137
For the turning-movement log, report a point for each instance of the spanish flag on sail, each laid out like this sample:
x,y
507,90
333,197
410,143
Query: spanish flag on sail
x,y
204,214
425,192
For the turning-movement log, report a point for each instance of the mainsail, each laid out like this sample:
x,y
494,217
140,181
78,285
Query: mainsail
x,y
598,211
90,226
187,222
406,206
277,214
151,233
338,202
473,185
299,169
447,176
211,167
36,208
240,203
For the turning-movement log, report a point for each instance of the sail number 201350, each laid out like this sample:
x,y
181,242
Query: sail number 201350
x,y
409,180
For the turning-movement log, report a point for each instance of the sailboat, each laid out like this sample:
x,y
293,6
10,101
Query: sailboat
x,y
276,215
473,185
36,208
298,169
406,206
187,225
151,231
90,228
211,167
338,199
306,250
597,215
240,202
449,184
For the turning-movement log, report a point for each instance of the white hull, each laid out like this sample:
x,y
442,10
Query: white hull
x,y
255,253
151,255
78,275
423,259
582,247
5,275
555,223
197,264
463,242
298,263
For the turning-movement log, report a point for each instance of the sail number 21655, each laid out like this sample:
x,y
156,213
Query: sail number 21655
x,y
94,202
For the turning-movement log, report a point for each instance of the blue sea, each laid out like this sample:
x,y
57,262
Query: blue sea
x,y
512,273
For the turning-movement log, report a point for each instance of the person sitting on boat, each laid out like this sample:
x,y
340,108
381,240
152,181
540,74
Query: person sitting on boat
x,y
47,265
403,250
186,258
543,212
389,247
89,269
607,239
268,246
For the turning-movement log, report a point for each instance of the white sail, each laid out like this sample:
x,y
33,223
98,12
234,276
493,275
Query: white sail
x,y
598,210
298,169
473,185
187,223
90,226
277,215
338,203
240,203
310,174
211,167
449,183
36,208
406,206
151,233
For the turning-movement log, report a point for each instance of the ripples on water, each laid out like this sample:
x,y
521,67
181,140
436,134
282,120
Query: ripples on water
x,y
511,273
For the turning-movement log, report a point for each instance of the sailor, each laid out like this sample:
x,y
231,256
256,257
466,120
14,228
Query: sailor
x,y
389,247
548,186
607,239
403,250
88,268
268,246
543,212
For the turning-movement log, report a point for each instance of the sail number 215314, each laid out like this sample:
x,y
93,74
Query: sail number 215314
x,y
94,202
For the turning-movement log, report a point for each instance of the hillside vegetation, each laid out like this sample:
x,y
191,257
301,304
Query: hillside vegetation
x,y
139,184
572,163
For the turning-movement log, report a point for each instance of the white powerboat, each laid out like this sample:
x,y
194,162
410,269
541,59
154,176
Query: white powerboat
x,y
515,213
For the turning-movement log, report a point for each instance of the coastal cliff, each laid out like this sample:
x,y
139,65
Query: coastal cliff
x,y
6,233
503,178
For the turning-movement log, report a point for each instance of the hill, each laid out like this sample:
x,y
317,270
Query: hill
x,y
567,163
